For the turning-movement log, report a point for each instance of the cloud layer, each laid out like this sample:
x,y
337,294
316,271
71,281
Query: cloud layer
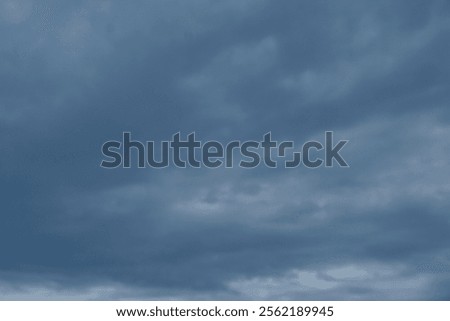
x,y
74,75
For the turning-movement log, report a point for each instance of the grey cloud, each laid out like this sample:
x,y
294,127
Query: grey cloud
x,y
76,75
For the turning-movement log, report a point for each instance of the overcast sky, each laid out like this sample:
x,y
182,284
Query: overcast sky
x,y
76,74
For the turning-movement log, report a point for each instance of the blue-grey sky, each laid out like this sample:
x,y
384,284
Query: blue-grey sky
x,y
76,74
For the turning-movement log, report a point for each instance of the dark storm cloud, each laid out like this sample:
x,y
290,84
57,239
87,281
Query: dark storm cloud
x,y
74,76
